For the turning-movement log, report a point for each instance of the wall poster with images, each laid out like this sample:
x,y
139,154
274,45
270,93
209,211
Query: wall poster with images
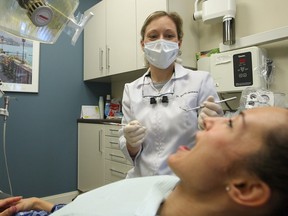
x,y
19,64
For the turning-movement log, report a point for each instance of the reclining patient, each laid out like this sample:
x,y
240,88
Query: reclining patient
x,y
237,167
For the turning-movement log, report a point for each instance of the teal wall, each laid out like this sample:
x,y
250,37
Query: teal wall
x,y
41,133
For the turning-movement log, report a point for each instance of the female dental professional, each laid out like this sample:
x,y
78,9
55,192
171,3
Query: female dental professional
x,y
157,106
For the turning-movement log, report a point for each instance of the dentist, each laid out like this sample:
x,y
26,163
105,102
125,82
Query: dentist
x,y
156,106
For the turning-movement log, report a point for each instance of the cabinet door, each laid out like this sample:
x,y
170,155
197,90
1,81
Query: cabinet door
x,y
121,36
115,171
95,43
90,156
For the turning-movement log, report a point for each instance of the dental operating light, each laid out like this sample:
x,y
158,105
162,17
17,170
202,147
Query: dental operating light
x,y
214,11
42,20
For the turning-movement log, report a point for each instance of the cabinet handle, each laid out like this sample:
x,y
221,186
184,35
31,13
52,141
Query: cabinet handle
x,y
118,156
100,141
119,172
107,58
101,59
114,130
111,135
114,145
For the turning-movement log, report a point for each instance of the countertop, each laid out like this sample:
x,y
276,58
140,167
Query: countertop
x,y
98,121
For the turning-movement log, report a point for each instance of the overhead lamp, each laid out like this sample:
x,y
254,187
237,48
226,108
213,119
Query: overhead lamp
x,y
42,20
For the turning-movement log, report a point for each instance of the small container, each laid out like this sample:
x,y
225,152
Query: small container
x,y
101,107
107,106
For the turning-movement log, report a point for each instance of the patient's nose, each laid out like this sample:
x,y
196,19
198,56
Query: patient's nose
x,y
210,122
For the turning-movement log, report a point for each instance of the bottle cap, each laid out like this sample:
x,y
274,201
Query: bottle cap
x,y
108,97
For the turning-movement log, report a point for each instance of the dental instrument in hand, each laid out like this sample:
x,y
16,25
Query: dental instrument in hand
x,y
202,106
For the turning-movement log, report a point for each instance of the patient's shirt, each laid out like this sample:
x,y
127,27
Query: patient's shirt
x,y
136,196
39,213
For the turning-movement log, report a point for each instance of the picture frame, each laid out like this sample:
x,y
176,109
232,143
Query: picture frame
x,y
19,64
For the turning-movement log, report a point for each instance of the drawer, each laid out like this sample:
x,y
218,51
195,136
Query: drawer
x,y
112,131
112,142
115,171
116,156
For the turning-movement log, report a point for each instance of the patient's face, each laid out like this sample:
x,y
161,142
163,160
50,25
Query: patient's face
x,y
205,166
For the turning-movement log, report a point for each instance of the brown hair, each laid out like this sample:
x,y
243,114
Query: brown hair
x,y
270,164
172,15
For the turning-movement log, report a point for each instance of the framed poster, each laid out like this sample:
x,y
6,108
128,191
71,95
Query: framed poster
x,y
19,64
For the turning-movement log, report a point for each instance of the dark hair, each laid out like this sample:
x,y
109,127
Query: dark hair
x,y
172,15
271,165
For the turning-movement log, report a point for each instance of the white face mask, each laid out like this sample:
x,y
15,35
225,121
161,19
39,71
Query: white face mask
x,y
161,53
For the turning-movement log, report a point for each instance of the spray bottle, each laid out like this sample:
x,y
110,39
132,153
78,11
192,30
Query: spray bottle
x,y
107,106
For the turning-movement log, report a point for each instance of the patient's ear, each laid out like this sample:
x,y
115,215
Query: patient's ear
x,y
249,192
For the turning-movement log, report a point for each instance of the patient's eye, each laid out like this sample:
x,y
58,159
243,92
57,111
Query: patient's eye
x,y
230,123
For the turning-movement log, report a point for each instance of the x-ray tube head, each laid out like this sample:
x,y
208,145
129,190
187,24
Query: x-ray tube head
x,y
228,30
218,11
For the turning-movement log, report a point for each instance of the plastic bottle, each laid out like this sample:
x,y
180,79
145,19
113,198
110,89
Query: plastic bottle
x,y
101,107
107,106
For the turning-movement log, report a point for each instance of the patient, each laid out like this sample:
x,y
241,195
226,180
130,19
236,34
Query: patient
x,y
26,207
237,167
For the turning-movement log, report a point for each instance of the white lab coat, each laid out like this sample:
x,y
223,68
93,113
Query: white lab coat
x,y
168,124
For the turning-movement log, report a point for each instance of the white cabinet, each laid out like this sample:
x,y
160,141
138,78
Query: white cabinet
x,y
90,156
110,39
100,160
95,43
116,164
121,35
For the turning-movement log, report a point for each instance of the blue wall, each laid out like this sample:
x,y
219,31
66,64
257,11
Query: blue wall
x,y
41,133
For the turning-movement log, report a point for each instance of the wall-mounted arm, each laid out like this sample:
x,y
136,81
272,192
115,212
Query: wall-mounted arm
x,y
214,11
